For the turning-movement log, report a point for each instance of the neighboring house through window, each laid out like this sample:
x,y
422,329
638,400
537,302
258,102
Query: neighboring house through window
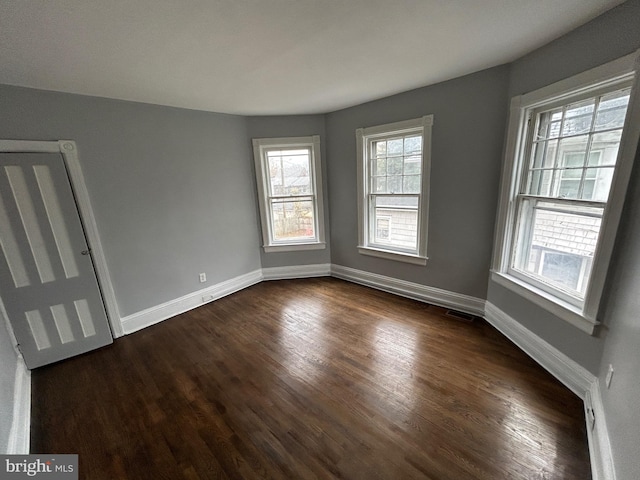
x,y
569,156
393,189
289,183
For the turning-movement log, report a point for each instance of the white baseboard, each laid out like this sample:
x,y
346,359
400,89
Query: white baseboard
x,y
151,316
20,432
296,271
416,291
598,436
575,377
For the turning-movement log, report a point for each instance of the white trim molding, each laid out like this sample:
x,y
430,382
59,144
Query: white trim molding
x,y
598,435
151,316
574,376
19,435
416,291
296,271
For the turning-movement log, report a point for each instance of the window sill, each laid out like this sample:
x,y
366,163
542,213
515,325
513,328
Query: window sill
x,y
292,247
391,255
559,308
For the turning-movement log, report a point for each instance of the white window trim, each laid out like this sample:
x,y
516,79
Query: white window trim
x,y
260,145
615,72
362,135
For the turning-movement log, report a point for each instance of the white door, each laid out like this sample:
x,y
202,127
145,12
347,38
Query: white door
x,y
47,280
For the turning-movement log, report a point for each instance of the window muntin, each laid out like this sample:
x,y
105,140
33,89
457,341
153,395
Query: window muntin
x,y
393,186
570,157
290,196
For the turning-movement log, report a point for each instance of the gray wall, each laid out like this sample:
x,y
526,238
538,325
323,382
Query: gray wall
x,y
172,190
606,38
295,126
469,122
8,363
622,346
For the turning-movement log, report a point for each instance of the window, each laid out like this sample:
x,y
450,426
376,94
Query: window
x,y
568,161
290,192
393,187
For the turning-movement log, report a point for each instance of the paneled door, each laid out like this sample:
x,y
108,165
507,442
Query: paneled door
x,y
48,285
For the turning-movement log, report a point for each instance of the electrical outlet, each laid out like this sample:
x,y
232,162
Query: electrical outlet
x,y
203,277
609,376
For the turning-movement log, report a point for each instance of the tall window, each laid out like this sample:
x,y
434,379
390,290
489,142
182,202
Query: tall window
x,y
290,192
568,177
393,187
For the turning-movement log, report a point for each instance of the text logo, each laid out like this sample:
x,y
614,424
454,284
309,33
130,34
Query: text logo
x,y
50,467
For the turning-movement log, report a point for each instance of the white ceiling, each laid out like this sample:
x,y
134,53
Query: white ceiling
x,y
267,57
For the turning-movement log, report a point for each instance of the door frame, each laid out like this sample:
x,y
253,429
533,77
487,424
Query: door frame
x,y
69,152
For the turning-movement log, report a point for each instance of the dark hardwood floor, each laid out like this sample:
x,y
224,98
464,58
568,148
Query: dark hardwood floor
x,y
314,378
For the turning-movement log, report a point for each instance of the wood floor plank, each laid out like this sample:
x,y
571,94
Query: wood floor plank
x,y
313,378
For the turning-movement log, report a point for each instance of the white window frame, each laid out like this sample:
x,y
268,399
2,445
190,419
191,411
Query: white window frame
x,y
612,74
364,136
261,146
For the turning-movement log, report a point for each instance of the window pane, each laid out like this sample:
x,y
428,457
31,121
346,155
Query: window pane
x,y
380,184
380,148
289,172
544,155
573,149
293,220
394,166
412,145
400,216
411,184
598,184
540,182
394,184
412,165
549,124
605,145
556,243
570,177
578,118
568,187
563,268
395,147
383,234
612,110
572,160
404,201
381,166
